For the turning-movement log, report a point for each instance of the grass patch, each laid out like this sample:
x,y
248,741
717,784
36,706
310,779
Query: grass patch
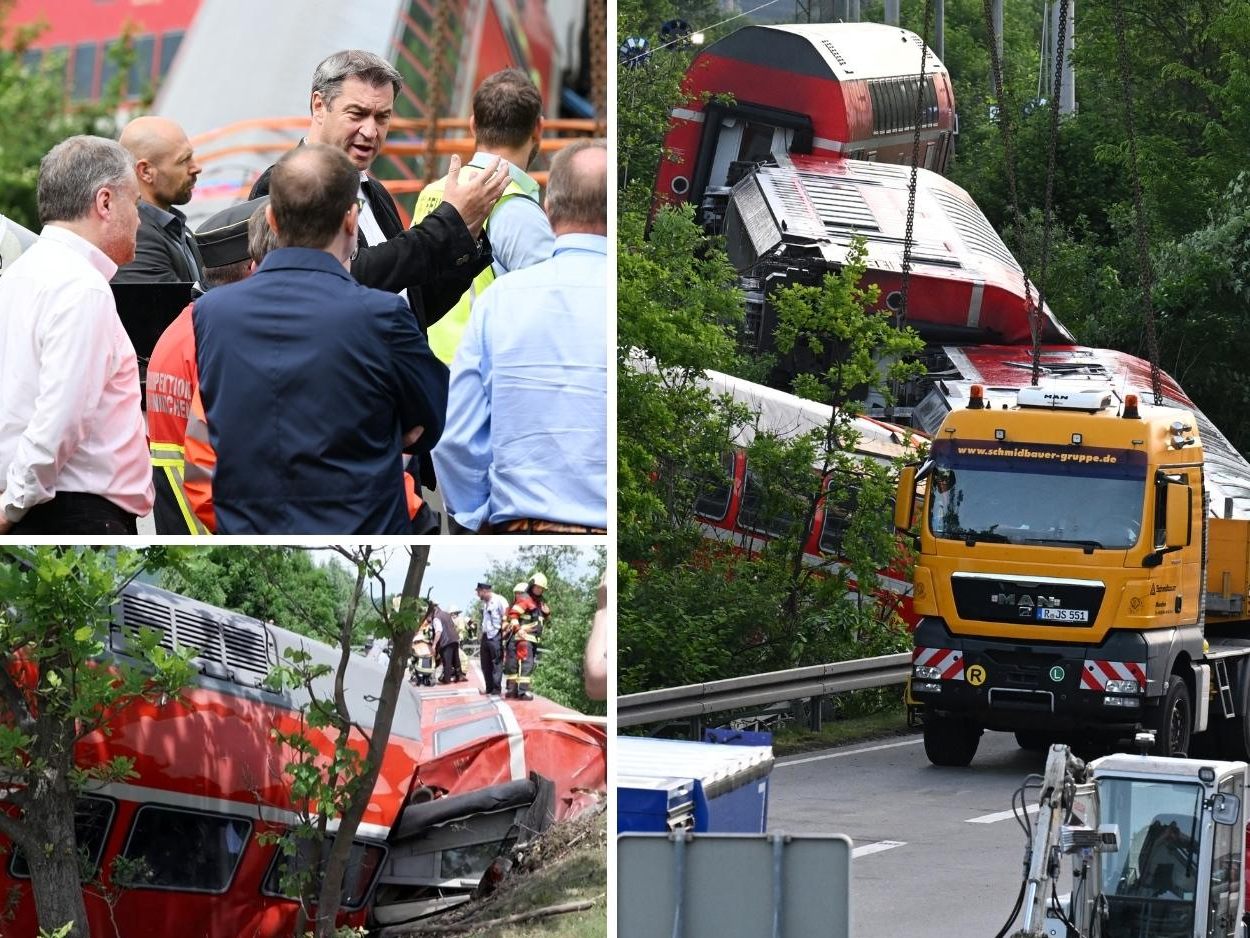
x,y
797,739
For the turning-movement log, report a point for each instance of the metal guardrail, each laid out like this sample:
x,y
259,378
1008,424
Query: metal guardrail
x,y
698,700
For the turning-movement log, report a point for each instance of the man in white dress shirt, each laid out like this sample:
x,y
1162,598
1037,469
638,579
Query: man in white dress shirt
x,y
73,449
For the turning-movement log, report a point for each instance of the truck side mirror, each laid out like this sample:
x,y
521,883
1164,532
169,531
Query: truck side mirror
x,y
905,498
1178,520
1225,808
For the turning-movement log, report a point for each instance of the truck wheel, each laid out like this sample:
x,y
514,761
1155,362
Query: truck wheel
x,y
1032,740
950,741
1174,720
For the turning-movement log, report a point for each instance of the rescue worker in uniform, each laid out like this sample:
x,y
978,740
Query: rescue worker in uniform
x,y
534,590
233,243
446,644
523,628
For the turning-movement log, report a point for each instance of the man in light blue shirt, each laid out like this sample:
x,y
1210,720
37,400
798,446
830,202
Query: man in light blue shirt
x,y
493,611
507,123
525,446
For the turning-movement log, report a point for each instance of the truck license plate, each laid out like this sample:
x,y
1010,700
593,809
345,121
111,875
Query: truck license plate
x,y
1063,615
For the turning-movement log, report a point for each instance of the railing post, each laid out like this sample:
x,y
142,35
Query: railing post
x,y
814,721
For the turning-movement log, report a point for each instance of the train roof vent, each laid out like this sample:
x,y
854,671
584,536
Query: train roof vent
x,y
224,646
839,205
250,651
837,56
788,198
974,228
196,631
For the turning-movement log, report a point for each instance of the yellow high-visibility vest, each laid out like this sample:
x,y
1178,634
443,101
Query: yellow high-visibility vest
x,y
444,335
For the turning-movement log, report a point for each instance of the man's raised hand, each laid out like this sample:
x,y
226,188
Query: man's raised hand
x,y
474,198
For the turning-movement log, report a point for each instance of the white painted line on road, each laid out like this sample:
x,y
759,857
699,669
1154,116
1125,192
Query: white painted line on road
x,y
999,815
877,847
847,752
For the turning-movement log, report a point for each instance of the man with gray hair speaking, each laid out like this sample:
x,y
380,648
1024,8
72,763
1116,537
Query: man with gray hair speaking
x,y
351,105
73,449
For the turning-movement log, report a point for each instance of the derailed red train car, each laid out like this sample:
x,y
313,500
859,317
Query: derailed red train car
x,y
735,514
463,777
823,89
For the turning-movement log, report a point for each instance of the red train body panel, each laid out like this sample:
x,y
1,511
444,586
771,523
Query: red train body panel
x,y
210,780
793,223
817,88
726,515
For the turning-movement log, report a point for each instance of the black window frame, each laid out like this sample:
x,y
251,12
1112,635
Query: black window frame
x,y
234,872
270,887
770,526
91,52
728,465
15,852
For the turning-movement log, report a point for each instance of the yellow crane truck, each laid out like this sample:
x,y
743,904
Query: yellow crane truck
x,y
1081,573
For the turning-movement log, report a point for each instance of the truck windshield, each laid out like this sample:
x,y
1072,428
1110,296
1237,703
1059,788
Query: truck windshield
x,y
1022,494
1151,881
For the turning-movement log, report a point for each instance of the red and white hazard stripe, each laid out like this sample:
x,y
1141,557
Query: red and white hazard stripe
x,y
948,661
1096,674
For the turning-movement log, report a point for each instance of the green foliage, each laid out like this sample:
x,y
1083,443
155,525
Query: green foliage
x,y
332,763
573,600
61,682
38,115
1190,73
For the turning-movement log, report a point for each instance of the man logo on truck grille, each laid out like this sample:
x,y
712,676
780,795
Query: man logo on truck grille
x,y
1024,603
976,675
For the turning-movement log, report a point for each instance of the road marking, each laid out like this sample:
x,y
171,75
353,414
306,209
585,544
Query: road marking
x,y
999,815
878,847
848,752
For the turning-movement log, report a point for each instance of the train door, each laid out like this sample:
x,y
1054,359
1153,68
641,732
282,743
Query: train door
x,y
745,134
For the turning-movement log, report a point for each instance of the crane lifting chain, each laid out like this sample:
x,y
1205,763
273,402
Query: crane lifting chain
x,y
901,314
1009,158
1145,270
1056,88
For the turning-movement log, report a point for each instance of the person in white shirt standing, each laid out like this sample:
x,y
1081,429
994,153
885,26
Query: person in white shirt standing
x,y
73,449
494,608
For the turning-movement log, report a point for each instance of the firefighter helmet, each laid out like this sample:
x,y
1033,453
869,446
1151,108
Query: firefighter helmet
x,y
538,580
520,588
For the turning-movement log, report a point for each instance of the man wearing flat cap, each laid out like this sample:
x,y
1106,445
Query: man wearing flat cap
x,y
493,611
232,247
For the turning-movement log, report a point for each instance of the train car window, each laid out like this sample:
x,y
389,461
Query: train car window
x,y
713,503
894,104
838,512
139,79
92,818
362,867
84,70
169,48
108,65
758,513
190,851
462,733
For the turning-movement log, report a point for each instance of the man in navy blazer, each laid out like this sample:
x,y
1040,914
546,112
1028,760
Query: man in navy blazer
x,y
312,384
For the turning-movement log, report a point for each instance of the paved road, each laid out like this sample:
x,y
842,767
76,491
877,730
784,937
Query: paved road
x,y
937,852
